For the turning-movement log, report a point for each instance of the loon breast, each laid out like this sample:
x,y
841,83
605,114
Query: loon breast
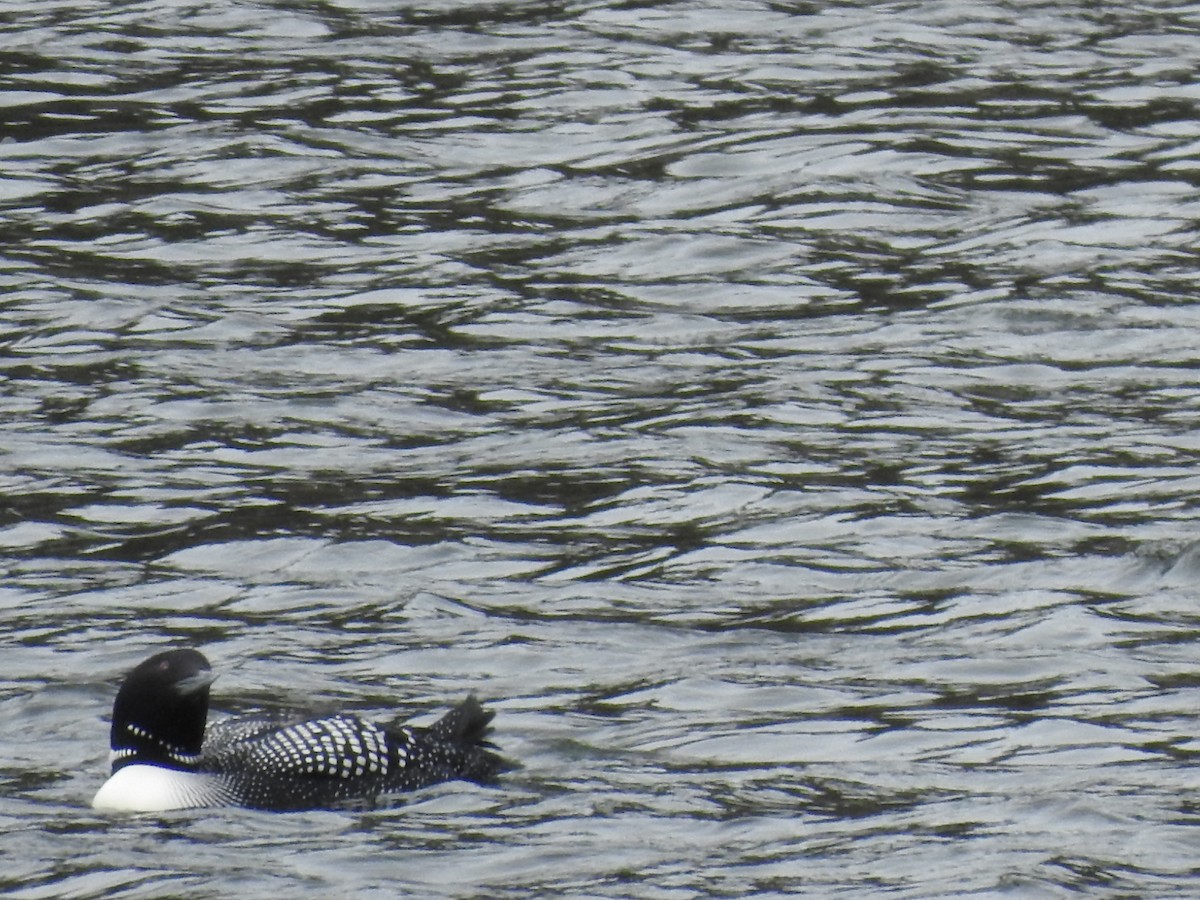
x,y
148,788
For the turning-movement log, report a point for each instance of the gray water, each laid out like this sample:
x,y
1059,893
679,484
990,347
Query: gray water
x,y
785,415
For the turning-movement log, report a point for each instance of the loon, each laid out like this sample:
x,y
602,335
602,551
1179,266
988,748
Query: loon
x,y
162,759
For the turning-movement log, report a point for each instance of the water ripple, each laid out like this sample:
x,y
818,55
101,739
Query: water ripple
x,y
783,415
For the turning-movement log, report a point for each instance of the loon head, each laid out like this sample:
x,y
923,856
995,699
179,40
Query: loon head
x,y
160,711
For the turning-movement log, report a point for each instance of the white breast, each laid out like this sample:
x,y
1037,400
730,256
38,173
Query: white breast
x,y
142,788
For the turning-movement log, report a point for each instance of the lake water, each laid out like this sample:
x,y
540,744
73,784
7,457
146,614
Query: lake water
x,y
786,415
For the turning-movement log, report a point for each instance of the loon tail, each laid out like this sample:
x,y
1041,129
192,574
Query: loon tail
x,y
467,727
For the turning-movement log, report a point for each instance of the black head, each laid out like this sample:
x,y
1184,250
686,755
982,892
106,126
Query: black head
x,y
160,711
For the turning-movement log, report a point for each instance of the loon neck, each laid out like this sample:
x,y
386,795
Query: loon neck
x,y
137,745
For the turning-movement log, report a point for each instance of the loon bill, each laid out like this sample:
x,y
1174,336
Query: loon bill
x,y
164,758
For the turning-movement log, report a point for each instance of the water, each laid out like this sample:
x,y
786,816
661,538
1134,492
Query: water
x,y
784,414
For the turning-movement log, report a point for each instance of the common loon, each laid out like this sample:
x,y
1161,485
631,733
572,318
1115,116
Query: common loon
x,y
162,759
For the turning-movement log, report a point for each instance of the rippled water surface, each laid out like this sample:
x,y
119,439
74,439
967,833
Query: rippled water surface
x,y
784,414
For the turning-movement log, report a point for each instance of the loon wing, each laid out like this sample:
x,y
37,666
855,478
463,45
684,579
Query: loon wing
x,y
224,733
340,746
